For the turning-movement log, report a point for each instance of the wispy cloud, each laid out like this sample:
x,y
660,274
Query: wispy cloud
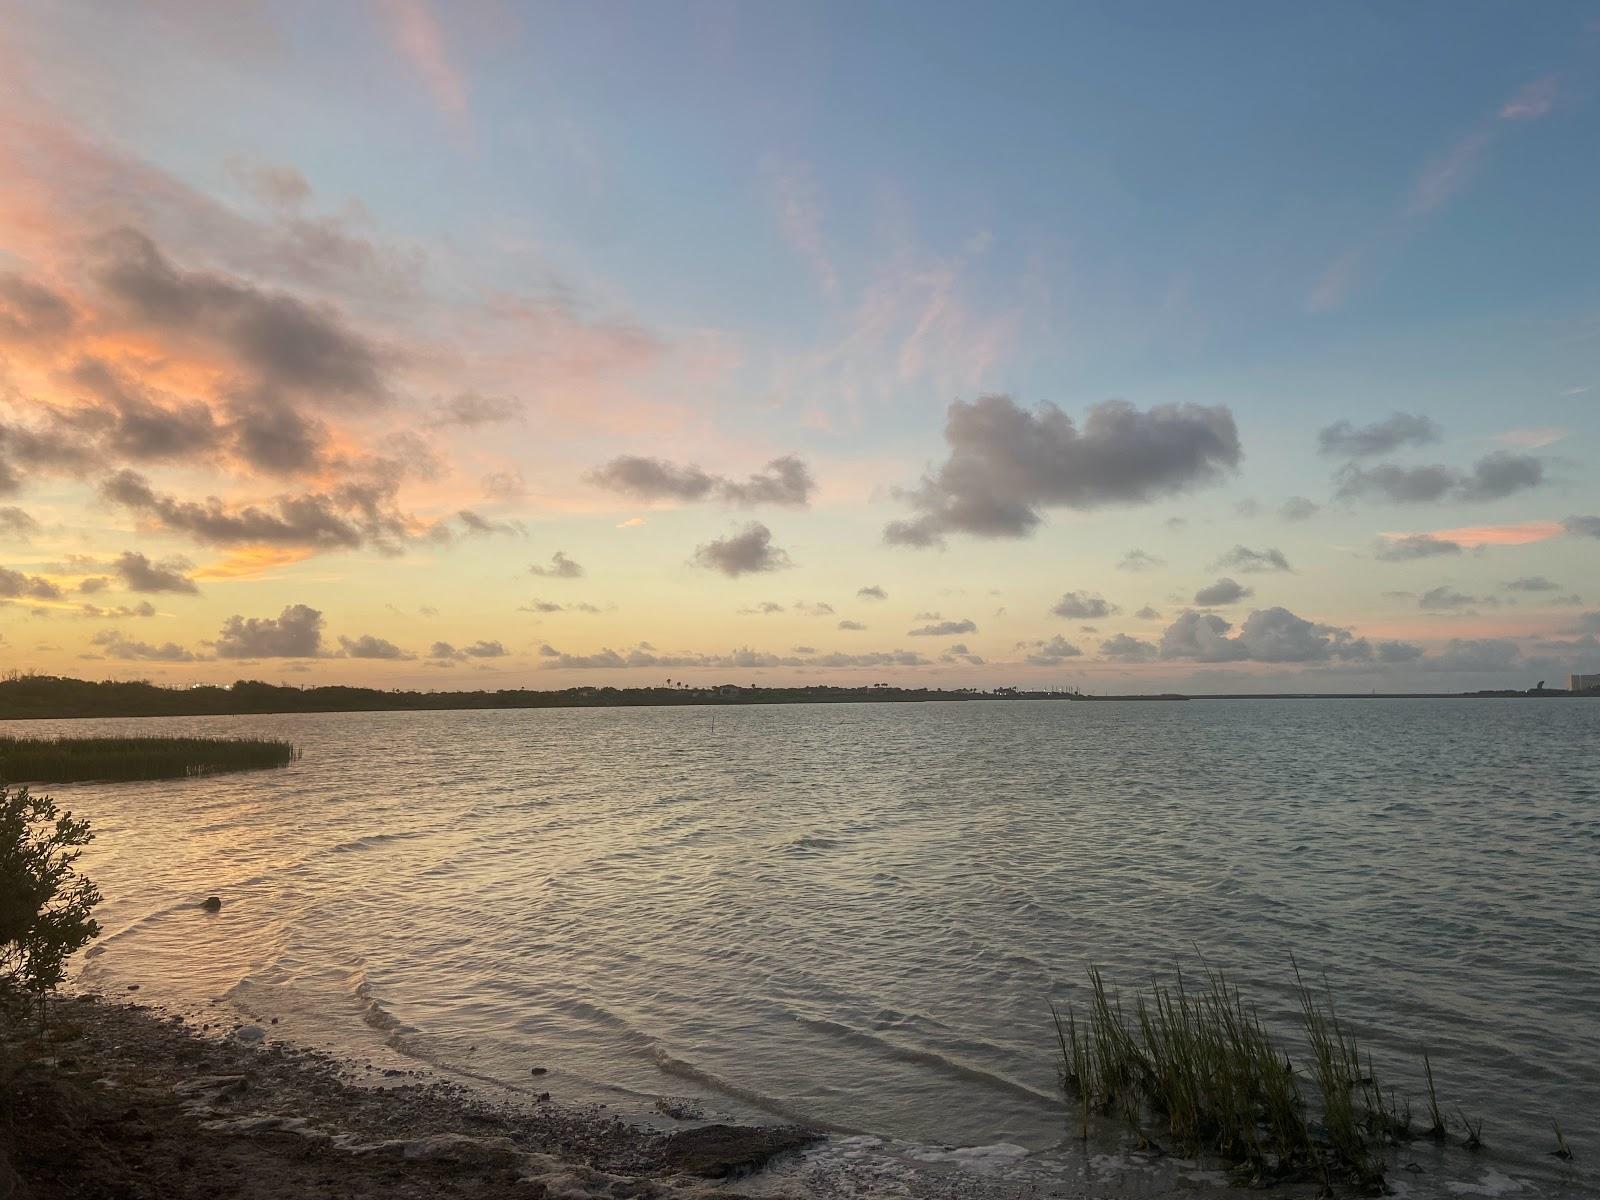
x,y
416,34
798,203
1441,177
1531,439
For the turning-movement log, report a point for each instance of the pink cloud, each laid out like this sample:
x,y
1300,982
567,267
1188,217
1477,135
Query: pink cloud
x,y
1533,101
1520,534
417,36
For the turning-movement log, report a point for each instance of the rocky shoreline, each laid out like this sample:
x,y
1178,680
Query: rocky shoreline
x,y
117,1101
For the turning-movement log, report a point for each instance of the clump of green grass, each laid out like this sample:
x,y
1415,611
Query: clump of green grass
x,y
1199,1060
1436,1129
71,760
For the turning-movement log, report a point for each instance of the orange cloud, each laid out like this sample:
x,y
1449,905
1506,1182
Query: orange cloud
x,y
1498,535
253,561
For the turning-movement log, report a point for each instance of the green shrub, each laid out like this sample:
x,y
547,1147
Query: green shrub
x,y
44,902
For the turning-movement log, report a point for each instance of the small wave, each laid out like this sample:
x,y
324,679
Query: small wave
x,y
810,844
920,1057
680,1069
368,841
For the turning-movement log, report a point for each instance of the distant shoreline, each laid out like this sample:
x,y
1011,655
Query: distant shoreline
x,y
48,697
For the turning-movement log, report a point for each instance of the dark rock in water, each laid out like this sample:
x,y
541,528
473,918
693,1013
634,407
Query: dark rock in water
x,y
133,987
211,904
717,1151
541,1070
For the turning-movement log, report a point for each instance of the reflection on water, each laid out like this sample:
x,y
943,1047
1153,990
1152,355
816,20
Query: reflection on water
x,y
855,914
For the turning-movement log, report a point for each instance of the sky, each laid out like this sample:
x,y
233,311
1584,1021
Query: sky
x,y
1125,347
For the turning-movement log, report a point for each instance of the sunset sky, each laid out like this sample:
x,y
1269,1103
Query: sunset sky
x,y
1123,346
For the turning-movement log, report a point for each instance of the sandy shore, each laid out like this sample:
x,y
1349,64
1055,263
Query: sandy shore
x,y
119,1101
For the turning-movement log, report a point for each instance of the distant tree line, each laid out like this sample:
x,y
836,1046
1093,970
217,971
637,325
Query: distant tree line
x,y
24,696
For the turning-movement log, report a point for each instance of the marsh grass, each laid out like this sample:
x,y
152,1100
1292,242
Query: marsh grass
x,y
72,760
1195,1056
1436,1129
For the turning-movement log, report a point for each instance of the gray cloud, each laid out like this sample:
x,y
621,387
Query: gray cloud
x,y
1006,464
352,515
765,609
1297,508
873,592
784,481
1414,546
1267,635
132,422
943,629
368,646
1049,654
1084,605
93,611
653,479
1138,560
14,523
1492,477
296,632
851,626
1477,654
561,567
95,583
504,485
471,410
29,311
1582,526
283,341
743,553
1501,474
820,609
274,436
1397,652
1344,440
1122,648
139,574
1398,485
475,524
1444,597
479,649
1531,583
115,645
14,585
1242,558
1147,613
26,449
1223,591
551,606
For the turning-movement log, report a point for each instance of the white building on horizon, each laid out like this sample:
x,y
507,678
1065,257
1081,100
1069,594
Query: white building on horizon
x,y
1582,683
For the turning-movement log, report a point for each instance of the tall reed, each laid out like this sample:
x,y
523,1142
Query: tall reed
x,y
1196,1061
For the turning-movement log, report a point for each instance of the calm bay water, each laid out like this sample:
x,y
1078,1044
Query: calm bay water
x,y
856,914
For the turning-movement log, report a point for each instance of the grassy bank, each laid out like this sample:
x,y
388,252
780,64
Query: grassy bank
x,y
1191,1063
70,760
